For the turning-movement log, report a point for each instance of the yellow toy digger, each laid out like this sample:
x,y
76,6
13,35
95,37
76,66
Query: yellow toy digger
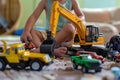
x,y
86,36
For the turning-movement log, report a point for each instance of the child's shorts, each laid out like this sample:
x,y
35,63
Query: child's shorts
x,y
44,36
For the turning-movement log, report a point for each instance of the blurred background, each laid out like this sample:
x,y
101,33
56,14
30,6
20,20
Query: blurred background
x,y
28,7
103,13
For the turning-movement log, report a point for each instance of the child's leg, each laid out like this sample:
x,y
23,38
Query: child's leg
x,y
66,34
37,37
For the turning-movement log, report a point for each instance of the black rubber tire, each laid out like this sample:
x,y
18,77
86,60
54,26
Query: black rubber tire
x,y
84,70
36,65
98,70
75,66
2,65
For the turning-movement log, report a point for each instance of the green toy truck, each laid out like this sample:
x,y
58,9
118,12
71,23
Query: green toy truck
x,y
86,62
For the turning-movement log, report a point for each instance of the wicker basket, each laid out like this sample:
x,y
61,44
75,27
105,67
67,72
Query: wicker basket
x,y
11,11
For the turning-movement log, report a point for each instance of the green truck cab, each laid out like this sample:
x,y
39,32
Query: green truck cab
x,y
86,62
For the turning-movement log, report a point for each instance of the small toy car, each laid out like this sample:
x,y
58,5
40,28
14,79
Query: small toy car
x,y
117,58
86,62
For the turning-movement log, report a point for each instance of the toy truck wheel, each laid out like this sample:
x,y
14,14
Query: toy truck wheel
x,y
36,65
85,70
115,59
98,70
2,65
75,66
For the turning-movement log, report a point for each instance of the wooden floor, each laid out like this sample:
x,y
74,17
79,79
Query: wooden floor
x,y
61,69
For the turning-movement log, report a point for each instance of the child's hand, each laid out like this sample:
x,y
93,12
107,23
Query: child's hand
x,y
25,37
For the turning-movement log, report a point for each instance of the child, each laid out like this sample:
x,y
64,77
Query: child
x,y
65,29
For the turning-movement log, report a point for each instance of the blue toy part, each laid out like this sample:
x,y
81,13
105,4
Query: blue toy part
x,y
19,32
116,72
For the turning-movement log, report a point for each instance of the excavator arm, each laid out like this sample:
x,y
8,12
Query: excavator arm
x,y
82,30
57,10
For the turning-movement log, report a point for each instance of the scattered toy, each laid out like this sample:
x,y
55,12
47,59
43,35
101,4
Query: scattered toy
x,y
114,46
116,72
86,62
117,58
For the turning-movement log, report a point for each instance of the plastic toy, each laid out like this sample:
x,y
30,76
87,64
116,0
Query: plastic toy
x,y
86,62
93,54
116,72
1,49
29,45
19,58
86,36
117,58
113,46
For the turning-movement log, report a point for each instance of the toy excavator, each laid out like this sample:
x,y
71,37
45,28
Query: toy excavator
x,y
86,36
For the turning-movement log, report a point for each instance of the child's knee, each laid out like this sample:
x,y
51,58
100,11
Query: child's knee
x,y
70,29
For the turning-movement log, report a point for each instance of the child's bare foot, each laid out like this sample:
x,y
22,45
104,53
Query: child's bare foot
x,y
58,52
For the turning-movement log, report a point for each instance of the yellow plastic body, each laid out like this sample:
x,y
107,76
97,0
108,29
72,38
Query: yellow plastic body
x,y
17,52
57,10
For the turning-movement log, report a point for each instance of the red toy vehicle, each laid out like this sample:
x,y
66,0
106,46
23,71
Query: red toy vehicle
x,y
93,54
117,58
29,45
1,49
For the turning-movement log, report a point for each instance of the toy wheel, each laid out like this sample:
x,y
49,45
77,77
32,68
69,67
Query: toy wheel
x,y
116,61
85,70
36,65
2,65
98,70
75,66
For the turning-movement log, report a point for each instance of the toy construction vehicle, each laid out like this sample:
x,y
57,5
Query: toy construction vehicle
x,y
117,58
19,58
86,36
86,62
114,47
